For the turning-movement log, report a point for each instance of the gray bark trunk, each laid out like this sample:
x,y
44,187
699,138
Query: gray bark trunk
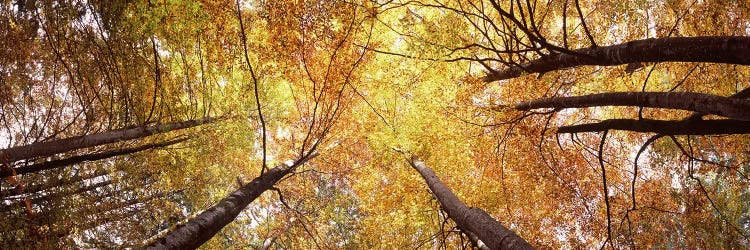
x,y
718,49
42,149
87,157
203,227
475,220
738,109
682,127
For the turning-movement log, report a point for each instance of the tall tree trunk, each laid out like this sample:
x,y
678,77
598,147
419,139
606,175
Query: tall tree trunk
x,y
203,227
704,103
474,220
87,157
682,127
48,148
716,49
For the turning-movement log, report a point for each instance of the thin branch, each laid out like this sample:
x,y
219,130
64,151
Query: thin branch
x,y
606,190
585,27
635,166
681,127
255,85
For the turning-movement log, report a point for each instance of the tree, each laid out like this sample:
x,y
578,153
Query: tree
x,y
578,124
474,220
88,157
668,49
204,226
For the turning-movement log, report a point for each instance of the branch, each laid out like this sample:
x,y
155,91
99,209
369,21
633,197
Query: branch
x,y
606,190
704,103
88,157
710,49
255,85
681,127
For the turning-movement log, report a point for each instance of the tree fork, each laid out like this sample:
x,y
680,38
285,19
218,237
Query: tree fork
x,y
708,49
474,220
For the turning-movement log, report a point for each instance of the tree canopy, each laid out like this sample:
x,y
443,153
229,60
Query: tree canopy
x,y
371,124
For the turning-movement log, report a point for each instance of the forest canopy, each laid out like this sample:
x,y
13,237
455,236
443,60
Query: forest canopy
x,y
374,124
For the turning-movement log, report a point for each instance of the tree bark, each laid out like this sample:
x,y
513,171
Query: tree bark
x,y
709,49
204,226
738,109
87,157
682,127
476,241
42,149
474,220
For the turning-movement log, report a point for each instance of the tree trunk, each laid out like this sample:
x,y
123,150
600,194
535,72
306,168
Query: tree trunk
x,y
59,181
682,127
51,216
87,157
704,103
41,149
268,243
718,49
476,241
203,227
742,94
474,220
48,198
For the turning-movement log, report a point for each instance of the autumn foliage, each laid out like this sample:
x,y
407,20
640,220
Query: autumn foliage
x,y
375,124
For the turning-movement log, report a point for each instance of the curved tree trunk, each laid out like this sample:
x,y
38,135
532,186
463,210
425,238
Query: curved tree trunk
x,y
711,49
48,148
203,227
87,157
474,220
682,127
704,103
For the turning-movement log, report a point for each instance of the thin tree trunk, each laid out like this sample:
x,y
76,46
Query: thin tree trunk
x,y
682,127
87,157
711,49
203,227
54,196
42,149
83,212
474,220
742,94
51,184
738,109
268,243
